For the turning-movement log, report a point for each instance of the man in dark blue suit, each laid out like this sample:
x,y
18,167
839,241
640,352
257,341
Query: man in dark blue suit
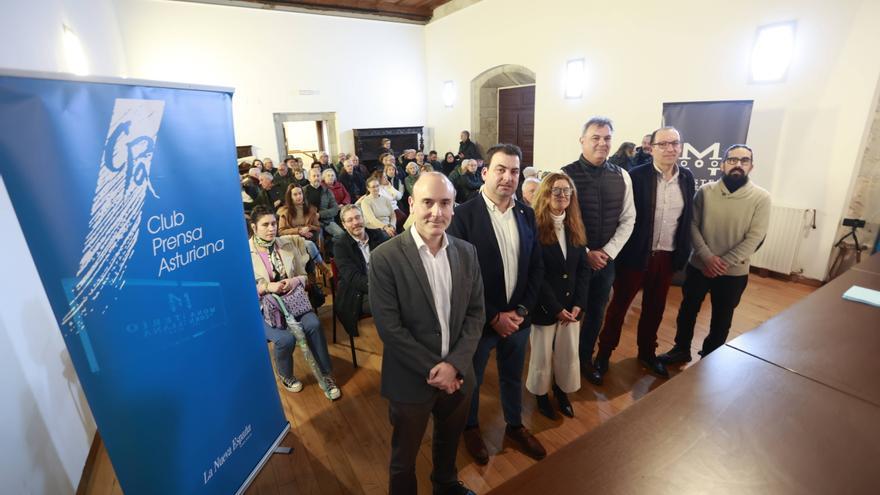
x,y
504,233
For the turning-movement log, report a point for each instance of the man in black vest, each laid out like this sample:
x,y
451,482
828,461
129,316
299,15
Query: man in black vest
x,y
659,246
604,193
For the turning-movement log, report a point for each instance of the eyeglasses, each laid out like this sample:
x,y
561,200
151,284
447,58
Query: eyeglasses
x,y
732,160
561,191
667,144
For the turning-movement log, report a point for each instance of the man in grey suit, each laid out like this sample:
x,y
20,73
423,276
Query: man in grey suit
x,y
429,332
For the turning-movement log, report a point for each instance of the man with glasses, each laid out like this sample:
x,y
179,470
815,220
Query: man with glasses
x,y
730,221
659,246
604,193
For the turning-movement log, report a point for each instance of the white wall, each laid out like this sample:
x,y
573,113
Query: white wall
x,y
371,73
267,56
47,426
807,132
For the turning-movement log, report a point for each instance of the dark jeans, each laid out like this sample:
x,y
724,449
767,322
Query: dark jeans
x,y
510,353
726,292
409,422
285,344
654,283
597,299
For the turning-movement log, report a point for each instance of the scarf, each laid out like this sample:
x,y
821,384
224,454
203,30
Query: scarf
x,y
274,256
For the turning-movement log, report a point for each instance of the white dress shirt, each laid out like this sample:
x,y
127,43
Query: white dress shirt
x,y
507,235
364,247
440,279
667,211
626,220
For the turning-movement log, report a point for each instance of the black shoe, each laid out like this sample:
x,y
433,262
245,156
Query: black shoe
x,y
527,442
601,365
654,365
545,407
457,489
675,355
564,404
591,374
473,442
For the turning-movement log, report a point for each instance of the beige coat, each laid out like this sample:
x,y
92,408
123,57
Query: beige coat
x,y
293,253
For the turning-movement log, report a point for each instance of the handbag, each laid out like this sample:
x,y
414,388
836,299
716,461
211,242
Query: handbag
x,y
316,296
297,301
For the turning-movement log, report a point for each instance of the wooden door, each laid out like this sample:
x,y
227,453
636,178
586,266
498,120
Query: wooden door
x,y
516,120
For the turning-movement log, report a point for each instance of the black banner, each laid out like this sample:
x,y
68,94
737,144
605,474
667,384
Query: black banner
x,y
707,128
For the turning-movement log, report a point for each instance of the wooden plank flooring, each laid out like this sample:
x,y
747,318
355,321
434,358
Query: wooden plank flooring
x,y
343,447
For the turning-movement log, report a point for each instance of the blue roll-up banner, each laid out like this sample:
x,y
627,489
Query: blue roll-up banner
x,y
707,129
128,197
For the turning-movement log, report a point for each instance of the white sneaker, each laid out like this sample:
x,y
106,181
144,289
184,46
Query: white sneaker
x,y
291,384
331,391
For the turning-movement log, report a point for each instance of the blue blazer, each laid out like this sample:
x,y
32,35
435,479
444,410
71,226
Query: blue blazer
x,y
471,223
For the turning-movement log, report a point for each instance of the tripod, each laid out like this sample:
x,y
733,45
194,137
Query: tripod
x,y
842,250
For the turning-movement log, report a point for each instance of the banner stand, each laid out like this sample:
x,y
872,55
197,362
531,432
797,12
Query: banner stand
x,y
137,265
274,449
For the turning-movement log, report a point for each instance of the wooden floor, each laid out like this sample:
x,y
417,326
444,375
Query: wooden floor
x,y
343,447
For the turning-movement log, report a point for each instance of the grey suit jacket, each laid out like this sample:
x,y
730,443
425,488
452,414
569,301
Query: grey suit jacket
x,y
403,309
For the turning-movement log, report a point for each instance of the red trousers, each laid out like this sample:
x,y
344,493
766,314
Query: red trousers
x,y
654,283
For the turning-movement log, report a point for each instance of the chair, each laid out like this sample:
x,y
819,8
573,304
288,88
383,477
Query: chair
x,y
362,317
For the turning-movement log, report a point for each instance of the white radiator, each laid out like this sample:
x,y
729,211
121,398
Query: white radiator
x,y
780,248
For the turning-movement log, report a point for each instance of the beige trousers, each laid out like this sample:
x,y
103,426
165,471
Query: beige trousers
x,y
554,356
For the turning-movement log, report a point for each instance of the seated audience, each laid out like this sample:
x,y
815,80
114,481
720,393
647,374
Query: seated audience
x,y
407,156
377,210
283,176
529,187
340,161
340,193
625,156
299,177
268,195
353,261
468,182
352,178
324,161
434,161
357,165
449,164
393,188
412,174
298,217
317,195
279,265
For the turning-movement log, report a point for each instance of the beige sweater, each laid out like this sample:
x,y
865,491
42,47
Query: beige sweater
x,y
729,225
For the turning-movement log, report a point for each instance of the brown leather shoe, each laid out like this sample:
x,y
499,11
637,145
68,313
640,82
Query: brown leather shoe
x,y
473,441
526,441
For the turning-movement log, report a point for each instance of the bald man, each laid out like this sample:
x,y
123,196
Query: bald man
x,y
429,332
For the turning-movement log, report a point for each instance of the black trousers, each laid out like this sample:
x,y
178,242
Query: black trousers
x,y
725,293
409,422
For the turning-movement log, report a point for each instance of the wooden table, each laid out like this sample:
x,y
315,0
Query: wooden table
x,y
730,424
872,264
826,338
790,407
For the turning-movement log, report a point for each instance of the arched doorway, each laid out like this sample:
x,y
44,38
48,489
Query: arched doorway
x,y
484,102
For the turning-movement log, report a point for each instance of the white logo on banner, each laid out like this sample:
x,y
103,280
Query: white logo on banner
x,y
713,151
123,182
